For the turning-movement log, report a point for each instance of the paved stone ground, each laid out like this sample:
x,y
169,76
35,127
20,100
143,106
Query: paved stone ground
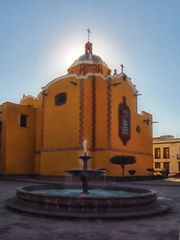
x,y
16,226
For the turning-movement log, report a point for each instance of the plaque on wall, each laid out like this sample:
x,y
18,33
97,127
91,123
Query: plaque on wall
x,y
124,122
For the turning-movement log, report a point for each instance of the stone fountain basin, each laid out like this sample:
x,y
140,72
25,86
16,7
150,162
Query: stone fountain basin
x,y
142,203
33,194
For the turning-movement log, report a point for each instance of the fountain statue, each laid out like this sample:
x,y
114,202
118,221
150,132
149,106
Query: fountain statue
x,y
85,174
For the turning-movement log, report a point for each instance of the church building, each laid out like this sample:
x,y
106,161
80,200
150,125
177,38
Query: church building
x,y
43,135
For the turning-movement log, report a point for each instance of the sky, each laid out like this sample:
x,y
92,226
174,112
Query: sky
x,y
40,39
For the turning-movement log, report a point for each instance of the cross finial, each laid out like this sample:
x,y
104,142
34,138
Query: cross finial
x,y
89,31
122,68
115,71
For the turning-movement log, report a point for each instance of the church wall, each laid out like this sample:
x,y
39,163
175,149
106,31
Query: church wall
x,y
39,133
140,143
38,142
37,104
60,130
102,161
90,112
101,113
100,158
61,122
54,163
3,116
95,118
86,125
118,92
20,141
101,100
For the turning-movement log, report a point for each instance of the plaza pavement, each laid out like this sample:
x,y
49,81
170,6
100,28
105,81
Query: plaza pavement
x,y
16,226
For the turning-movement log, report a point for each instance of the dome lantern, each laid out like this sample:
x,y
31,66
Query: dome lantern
x,y
89,63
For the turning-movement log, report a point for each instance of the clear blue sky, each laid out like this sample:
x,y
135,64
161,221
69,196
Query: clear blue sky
x,y
39,39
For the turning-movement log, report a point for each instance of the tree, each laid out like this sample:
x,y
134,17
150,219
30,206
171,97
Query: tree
x,y
123,161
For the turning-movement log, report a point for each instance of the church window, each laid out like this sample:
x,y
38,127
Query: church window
x,y
124,122
23,120
60,98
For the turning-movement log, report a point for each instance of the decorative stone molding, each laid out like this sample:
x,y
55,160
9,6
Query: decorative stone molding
x,y
93,112
81,111
109,114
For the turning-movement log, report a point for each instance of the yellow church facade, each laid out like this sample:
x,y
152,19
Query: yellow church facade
x,y
43,135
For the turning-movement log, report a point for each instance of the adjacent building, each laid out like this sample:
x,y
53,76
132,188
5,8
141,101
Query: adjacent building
x,y
166,151
43,135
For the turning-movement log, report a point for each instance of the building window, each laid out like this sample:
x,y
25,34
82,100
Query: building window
x,y
179,166
166,152
157,165
60,98
166,165
23,120
157,153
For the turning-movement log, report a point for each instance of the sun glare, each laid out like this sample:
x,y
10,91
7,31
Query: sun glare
x,y
63,55
72,54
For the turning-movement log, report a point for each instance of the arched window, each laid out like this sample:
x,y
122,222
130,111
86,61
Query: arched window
x,y
60,98
124,122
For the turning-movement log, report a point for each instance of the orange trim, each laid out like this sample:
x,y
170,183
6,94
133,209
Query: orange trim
x,y
81,112
97,149
61,149
109,114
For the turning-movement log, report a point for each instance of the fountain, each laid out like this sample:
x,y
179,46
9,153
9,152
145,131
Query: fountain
x,y
85,174
105,202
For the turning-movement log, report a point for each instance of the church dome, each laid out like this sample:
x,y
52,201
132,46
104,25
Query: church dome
x,y
89,63
90,58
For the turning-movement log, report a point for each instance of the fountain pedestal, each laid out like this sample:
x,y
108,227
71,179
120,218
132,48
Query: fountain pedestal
x,y
85,174
85,159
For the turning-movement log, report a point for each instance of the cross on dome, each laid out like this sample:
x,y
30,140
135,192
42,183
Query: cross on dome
x,y
89,32
122,68
88,45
